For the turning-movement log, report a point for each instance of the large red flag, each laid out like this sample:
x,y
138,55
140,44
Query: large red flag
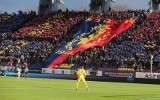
x,y
106,32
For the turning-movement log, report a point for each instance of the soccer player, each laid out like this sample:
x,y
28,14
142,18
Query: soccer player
x,y
81,73
19,72
26,72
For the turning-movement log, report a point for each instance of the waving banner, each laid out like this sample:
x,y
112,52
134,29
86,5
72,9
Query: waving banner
x,y
93,32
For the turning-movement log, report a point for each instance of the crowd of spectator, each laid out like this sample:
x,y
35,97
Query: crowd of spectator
x,y
35,37
12,22
127,49
50,26
21,51
32,44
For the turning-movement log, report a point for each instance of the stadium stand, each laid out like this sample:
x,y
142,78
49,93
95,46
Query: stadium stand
x,y
32,38
129,49
48,27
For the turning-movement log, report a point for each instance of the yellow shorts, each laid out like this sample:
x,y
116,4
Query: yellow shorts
x,y
81,79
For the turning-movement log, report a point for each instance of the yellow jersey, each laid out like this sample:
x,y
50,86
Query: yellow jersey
x,y
81,73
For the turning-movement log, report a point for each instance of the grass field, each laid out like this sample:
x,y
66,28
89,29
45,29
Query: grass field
x,y
12,88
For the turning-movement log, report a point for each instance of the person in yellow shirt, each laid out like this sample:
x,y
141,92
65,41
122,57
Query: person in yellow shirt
x,y
81,73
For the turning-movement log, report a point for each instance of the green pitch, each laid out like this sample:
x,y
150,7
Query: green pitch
x,y
12,88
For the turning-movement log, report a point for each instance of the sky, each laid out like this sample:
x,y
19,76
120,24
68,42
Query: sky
x,y
16,5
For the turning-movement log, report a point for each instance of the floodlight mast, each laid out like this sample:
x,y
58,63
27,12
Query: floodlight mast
x,y
96,6
154,5
47,6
